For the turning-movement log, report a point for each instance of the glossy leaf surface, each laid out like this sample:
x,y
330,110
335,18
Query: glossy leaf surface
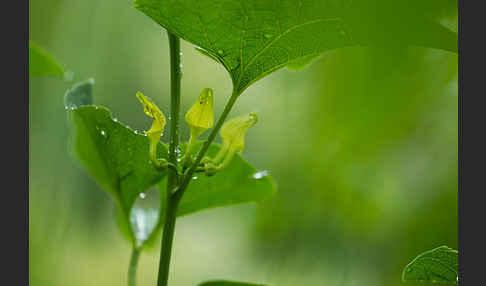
x,y
114,155
239,182
438,265
254,38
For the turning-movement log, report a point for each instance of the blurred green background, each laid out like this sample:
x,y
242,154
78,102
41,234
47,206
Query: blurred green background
x,y
362,145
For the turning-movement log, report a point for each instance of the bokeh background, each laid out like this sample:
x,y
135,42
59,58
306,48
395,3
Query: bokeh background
x,y
362,144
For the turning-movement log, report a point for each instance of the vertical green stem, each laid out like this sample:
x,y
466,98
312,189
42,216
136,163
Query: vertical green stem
x,y
172,180
175,102
132,268
173,183
167,238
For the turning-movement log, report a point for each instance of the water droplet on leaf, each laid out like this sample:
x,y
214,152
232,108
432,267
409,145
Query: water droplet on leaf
x,y
259,175
145,215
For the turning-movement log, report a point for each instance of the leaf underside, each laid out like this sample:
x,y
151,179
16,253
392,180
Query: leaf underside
x,y
438,265
253,38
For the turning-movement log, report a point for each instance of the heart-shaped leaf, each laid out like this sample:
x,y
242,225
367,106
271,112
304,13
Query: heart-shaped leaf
x,y
115,156
256,37
227,283
43,64
438,265
239,182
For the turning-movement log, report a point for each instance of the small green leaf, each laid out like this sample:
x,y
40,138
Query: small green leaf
x,y
113,154
79,95
254,38
227,283
43,64
238,183
438,265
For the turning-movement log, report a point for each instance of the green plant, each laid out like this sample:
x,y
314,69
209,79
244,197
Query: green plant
x,y
42,63
438,265
250,39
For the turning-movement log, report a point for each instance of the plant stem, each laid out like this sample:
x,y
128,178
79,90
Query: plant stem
x,y
175,102
132,268
167,238
173,177
174,198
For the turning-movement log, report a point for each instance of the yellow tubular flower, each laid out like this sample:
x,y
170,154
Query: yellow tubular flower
x,y
200,117
233,134
157,128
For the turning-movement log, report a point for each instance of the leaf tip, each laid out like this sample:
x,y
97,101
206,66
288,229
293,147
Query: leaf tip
x,y
80,94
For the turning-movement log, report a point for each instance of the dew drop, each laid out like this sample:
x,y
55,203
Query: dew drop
x,y
145,214
259,175
220,52
194,178
268,36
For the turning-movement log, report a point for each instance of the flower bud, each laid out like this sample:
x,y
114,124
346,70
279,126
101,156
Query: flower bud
x,y
200,117
201,114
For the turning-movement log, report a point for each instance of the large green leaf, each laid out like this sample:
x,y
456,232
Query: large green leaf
x,y
253,38
438,265
227,283
115,156
43,64
238,183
